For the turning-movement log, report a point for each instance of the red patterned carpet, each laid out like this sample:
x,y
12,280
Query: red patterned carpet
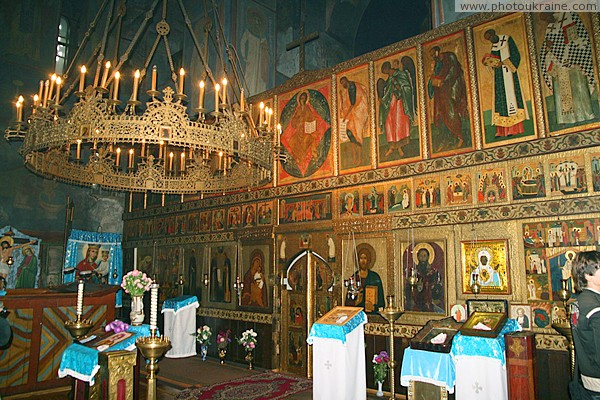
x,y
266,386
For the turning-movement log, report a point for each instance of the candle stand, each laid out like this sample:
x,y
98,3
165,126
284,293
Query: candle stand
x,y
79,327
391,313
563,325
152,348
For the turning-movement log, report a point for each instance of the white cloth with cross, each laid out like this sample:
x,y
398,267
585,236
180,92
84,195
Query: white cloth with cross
x,y
338,367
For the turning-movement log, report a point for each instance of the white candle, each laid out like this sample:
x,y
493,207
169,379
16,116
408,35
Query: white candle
x,y
182,165
80,298
51,90
153,305
118,160
154,78
224,90
82,78
130,158
143,147
160,149
36,101
171,161
136,81
242,105
217,89
262,113
135,258
270,117
19,106
181,76
105,76
45,98
41,92
58,83
278,134
78,149
201,95
116,85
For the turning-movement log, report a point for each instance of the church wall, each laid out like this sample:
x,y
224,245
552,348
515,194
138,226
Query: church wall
x,y
506,195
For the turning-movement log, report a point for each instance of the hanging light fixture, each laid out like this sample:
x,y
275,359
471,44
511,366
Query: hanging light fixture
x,y
87,134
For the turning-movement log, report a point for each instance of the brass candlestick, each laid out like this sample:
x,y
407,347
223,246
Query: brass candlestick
x,y
563,325
391,313
152,348
79,327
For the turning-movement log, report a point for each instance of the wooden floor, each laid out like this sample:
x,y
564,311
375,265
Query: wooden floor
x,y
175,375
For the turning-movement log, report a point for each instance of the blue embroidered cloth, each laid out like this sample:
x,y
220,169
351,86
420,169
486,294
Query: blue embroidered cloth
x,y
2,292
81,362
428,366
338,332
481,346
178,303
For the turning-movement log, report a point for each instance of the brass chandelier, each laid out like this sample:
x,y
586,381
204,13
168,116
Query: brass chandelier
x,y
95,138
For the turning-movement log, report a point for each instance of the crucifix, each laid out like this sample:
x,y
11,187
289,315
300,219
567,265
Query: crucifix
x,y
302,40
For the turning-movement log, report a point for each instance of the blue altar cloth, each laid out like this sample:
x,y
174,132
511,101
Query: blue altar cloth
x,y
179,303
428,366
463,345
81,362
338,332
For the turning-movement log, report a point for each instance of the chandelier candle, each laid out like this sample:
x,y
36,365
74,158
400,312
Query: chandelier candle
x,y
217,89
78,153
154,78
116,86
224,82
58,83
201,95
136,82
105,75
51,90
118,159
19,106
45,97
41,92
181,76
82,78
242,105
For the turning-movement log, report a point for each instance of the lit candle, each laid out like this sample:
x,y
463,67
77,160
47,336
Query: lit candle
x,y
224,90
143,147
51,90
278,134
118,159
242,105
116,85
217,89
270,117
181,76
105,75
220,158
41,92
46,86
201,95
153,306
171,161
78,149
136,81
82,78
160,149
80,298
36,100
131,158
262,113
58,83
182,165
154,78
19,111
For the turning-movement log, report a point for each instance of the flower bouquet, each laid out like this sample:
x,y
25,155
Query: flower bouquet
x,y
203,335
381,365
223,340
136,283
248,340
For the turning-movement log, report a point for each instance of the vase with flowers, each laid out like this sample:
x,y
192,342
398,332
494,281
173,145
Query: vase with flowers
x,y
223,340
248,341
136,283
381,365
203,338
